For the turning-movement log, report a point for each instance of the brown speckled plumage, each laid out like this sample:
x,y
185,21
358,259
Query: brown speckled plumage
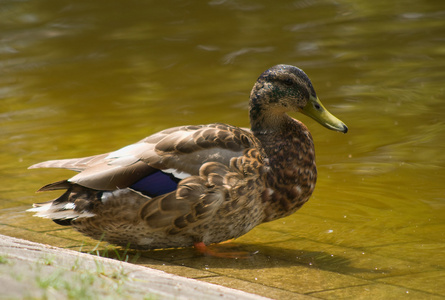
x,y
229,179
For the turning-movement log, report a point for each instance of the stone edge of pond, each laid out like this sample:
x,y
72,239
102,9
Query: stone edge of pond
x,y
26,262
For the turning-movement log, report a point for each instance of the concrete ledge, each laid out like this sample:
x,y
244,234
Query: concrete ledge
x,y
29,269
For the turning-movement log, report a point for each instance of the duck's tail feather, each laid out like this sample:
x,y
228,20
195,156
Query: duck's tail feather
x,y
75,164
59,185
63,209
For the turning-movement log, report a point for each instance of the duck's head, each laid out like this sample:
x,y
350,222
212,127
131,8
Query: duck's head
x,y
285,88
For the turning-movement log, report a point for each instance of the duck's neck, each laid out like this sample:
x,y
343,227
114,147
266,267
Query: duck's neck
x,y
290,155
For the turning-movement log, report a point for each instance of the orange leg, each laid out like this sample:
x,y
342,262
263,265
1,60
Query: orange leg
x,y
203,249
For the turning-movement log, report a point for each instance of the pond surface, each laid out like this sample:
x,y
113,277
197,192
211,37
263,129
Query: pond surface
x,y
78,78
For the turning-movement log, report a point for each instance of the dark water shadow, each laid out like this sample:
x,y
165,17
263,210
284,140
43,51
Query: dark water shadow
x,y
260,257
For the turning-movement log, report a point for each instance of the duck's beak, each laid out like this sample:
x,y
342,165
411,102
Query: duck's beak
x,y
319,113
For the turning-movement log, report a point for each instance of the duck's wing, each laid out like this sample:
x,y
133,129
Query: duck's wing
x,y
178,152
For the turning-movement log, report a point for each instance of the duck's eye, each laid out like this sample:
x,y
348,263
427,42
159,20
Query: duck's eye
x,y
288,81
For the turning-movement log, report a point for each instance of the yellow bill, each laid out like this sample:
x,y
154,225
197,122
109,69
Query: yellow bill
x,y
319,113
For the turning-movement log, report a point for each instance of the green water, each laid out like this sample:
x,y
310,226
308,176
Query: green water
x,y
79,78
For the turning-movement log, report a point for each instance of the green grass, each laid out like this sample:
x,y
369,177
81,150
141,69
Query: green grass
x,y
51,281
47,260
4,259
109,251
81,283
119,254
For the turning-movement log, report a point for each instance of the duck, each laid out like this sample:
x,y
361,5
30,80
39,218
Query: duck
x,y
198,185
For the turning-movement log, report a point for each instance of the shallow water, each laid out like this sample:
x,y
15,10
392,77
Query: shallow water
x,y
79,78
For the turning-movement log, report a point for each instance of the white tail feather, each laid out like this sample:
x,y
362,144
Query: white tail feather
x,y
60,211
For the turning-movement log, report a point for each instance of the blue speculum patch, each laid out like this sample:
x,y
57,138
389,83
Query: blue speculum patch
x,y
155,184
